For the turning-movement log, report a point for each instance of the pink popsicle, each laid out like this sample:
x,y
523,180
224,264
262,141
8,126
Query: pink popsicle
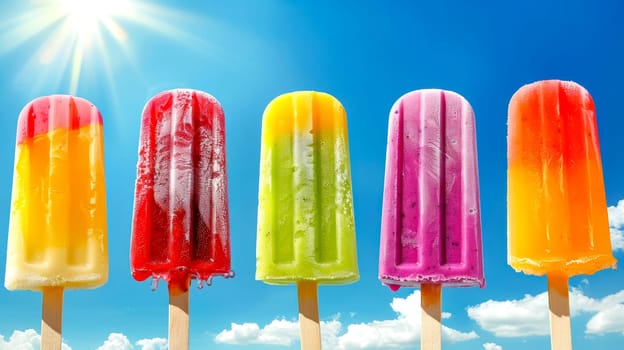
x,y
431,225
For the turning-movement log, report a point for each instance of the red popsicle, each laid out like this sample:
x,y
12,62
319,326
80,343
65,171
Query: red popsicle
x,y
181,222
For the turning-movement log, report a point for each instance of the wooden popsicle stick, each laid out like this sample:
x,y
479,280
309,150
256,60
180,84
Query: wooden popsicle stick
x,y
431,317
559,305
52,318
309,325
179,319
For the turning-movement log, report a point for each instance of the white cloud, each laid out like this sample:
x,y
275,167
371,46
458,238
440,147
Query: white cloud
x,y
616,214
278,332
492,346
609,317
153,344
244,333
116,341
31,340
529,316
330,333
513,318
24,340
607,321
616,224
401,332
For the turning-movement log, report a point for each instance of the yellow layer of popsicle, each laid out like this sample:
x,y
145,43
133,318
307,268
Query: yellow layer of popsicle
x,y
543,240
57,230
302,103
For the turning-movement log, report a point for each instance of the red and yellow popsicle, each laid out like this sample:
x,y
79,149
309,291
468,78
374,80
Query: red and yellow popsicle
x,y
57,229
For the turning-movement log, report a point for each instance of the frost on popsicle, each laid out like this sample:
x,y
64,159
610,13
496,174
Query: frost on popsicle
x,y
181,220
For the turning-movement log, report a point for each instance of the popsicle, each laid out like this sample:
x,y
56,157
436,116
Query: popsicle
x,y
57,226
557,212
180,227
431,225
306,230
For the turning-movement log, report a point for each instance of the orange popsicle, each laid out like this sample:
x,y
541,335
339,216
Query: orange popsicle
x,y
557,211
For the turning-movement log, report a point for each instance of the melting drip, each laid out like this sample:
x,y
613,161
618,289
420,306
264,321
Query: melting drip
x,y
154,285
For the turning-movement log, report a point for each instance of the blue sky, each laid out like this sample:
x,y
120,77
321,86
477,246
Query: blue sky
x,y
367,54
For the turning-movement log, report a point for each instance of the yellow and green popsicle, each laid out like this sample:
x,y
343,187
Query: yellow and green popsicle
x,y
306,231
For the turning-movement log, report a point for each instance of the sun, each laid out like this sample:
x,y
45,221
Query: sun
x,y
84,20
85,16
74,36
